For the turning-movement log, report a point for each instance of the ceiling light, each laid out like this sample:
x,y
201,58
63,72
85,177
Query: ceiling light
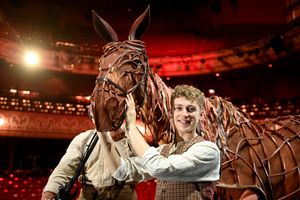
x,y
31,58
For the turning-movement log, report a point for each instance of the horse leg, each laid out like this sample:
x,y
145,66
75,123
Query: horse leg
x,y
249,195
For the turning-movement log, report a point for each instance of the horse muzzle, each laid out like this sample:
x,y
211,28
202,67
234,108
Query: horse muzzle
x,y
108,111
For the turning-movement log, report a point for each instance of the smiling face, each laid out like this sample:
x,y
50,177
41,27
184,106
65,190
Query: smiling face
x,y
187,103
186,116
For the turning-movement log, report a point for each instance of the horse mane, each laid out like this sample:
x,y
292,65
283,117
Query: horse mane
x,y
156,112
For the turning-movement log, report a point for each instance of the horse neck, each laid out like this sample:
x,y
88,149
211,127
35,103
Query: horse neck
x,y
220,118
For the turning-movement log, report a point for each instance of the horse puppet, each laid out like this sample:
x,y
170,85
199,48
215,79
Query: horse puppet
x,y
259,160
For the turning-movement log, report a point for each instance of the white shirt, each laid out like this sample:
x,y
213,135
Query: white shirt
x,y
201,162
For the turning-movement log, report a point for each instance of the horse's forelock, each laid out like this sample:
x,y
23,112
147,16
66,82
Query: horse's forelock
x,y
137,45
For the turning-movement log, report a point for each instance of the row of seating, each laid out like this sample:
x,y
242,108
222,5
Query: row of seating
x,y
260,109
44,106
23,186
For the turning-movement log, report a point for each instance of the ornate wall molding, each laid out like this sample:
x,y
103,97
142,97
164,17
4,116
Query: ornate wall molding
x,y
38,125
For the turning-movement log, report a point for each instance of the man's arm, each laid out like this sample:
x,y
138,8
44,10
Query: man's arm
x,y
140,146
201,162
125,165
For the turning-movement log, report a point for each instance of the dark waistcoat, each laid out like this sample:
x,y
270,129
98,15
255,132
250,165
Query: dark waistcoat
x,y
171,190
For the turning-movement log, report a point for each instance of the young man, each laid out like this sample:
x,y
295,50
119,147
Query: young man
x,y
185,169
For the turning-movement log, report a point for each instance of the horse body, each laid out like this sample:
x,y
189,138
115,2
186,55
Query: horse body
x,y
281,160
257,158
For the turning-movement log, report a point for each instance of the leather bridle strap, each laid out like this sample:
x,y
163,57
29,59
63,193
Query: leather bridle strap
x,y
104,79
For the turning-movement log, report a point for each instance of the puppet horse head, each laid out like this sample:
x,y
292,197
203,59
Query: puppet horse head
x,y
123,69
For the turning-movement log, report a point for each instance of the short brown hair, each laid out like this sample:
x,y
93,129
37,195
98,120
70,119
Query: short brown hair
x,y
189,92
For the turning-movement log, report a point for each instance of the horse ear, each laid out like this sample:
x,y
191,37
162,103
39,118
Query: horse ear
x,y
140,25
103,29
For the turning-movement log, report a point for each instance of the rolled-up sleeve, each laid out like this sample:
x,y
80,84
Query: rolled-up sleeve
x,y
131,169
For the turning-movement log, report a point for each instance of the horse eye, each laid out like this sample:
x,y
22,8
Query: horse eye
x,y
137,62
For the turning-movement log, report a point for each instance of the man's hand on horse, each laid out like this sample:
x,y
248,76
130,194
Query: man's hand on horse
x,y
131,113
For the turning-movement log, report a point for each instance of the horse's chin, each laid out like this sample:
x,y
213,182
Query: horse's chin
x,y
106,125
